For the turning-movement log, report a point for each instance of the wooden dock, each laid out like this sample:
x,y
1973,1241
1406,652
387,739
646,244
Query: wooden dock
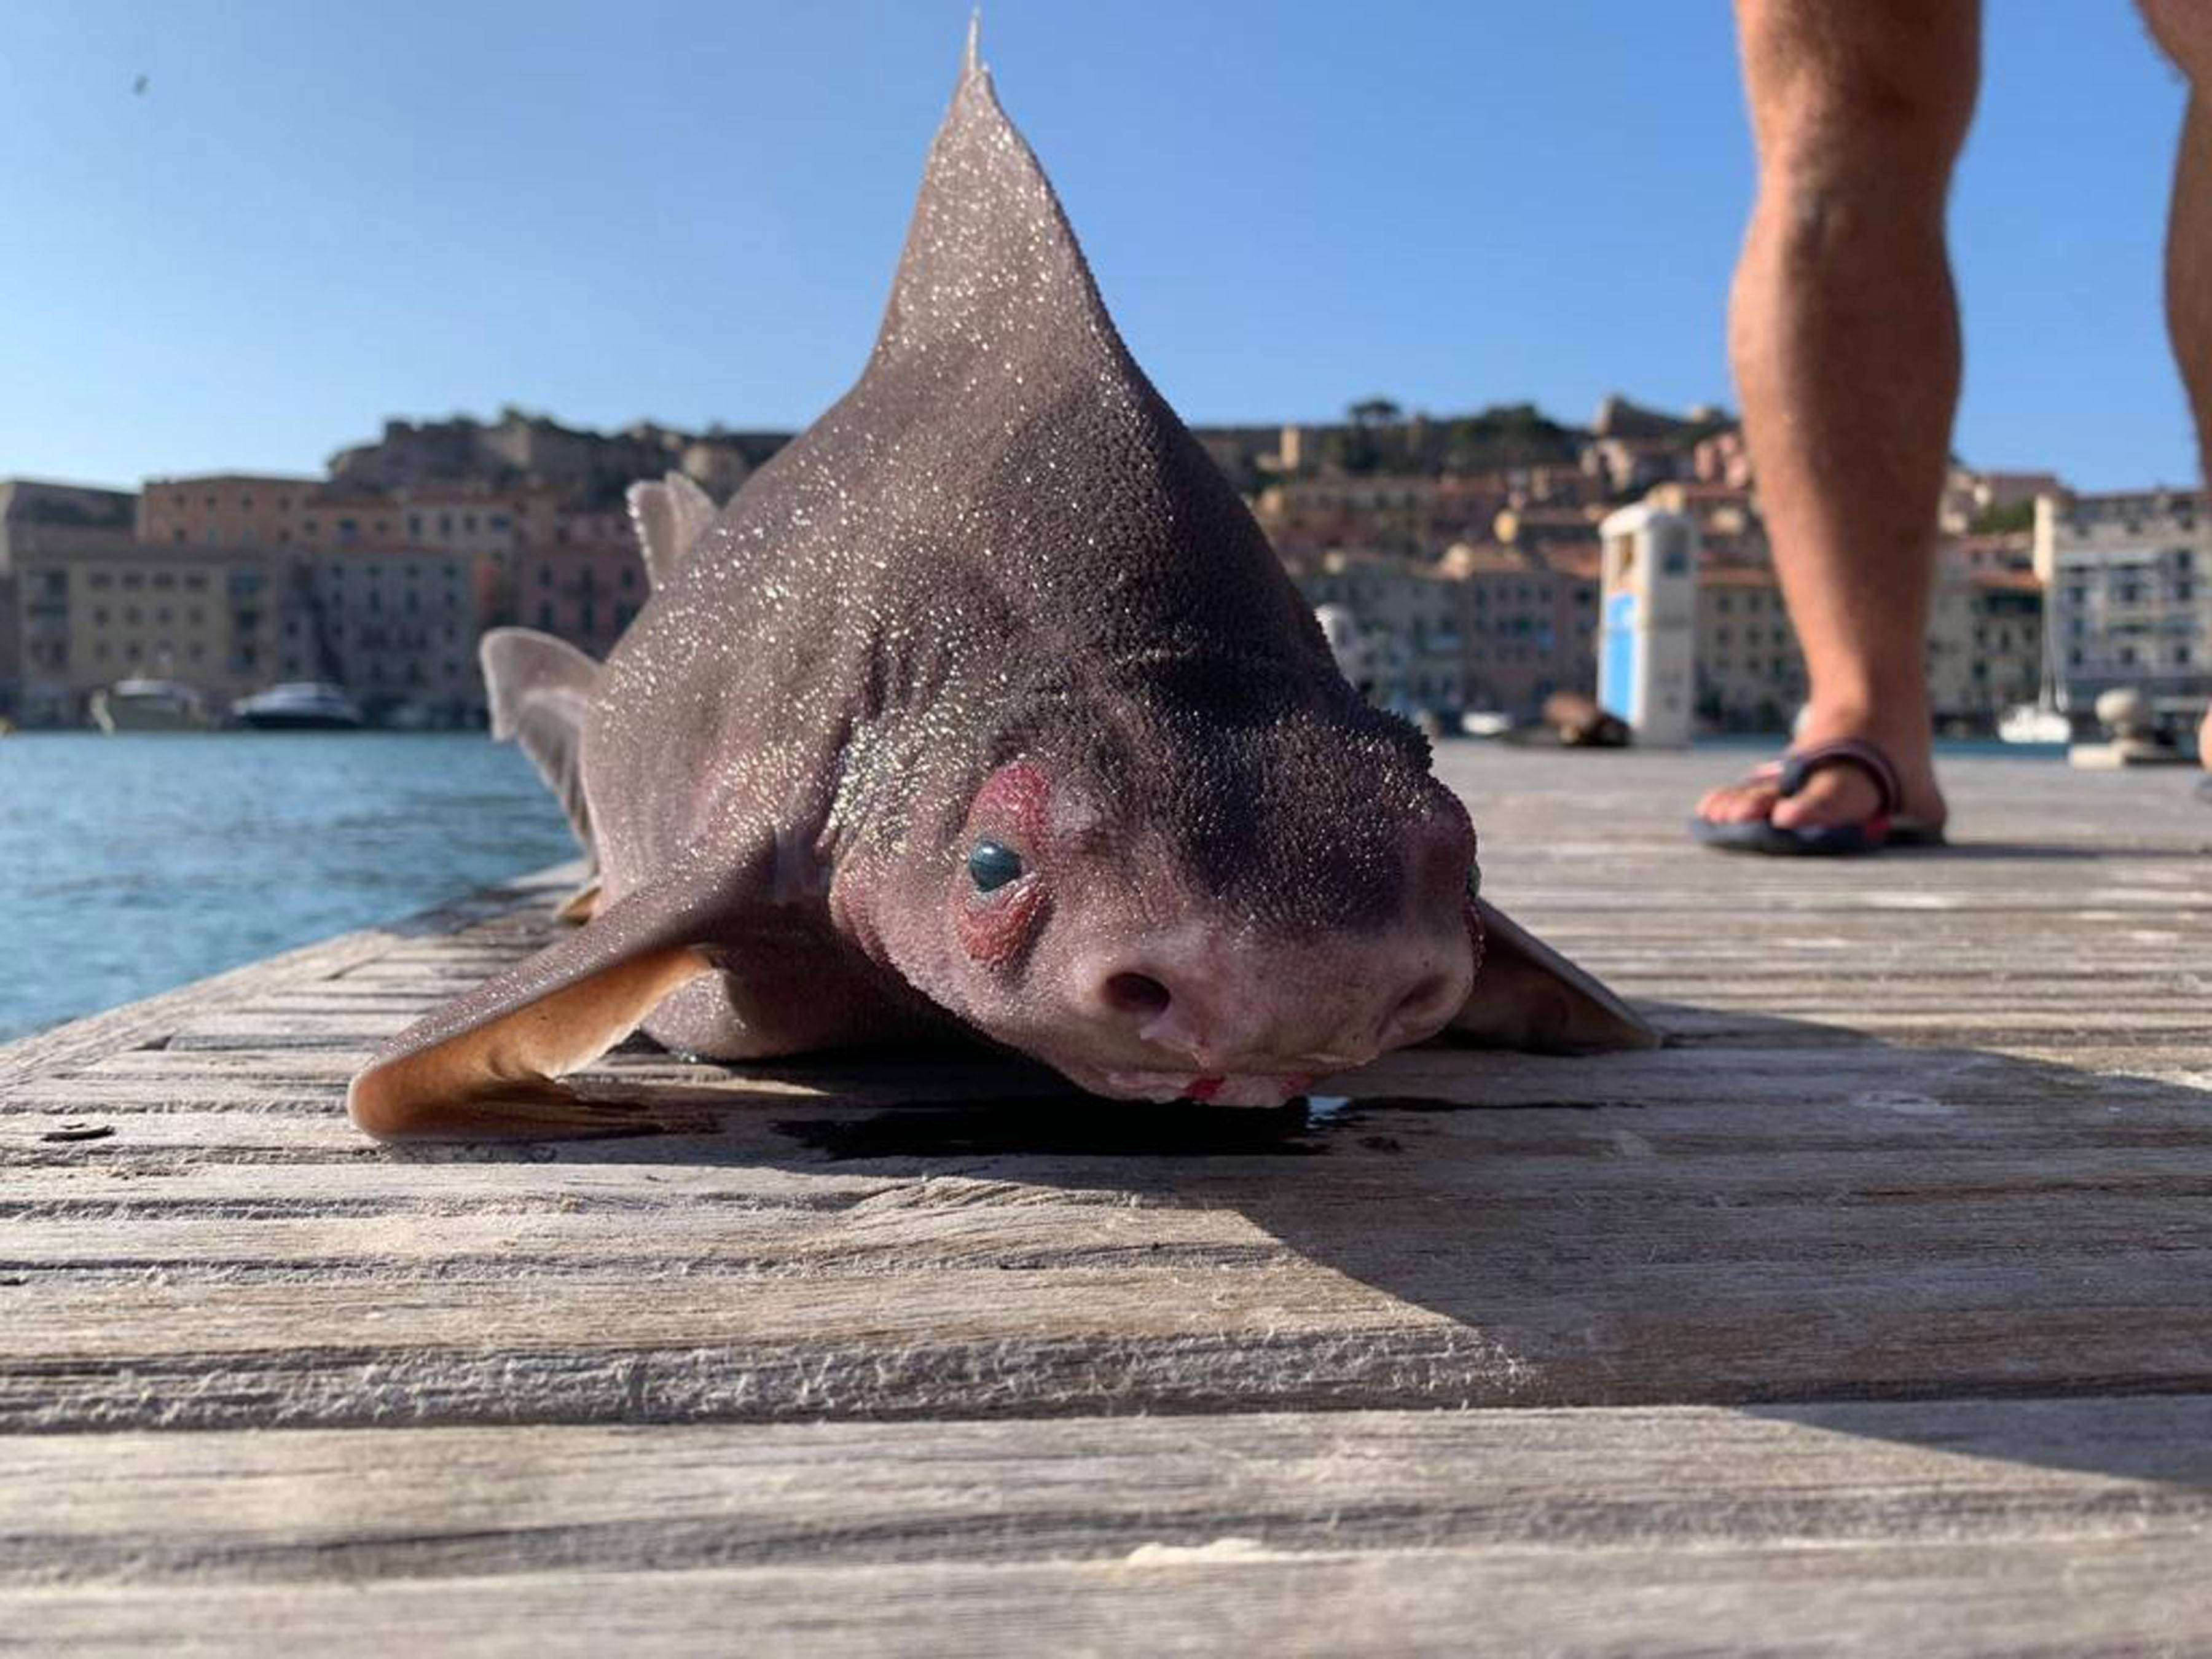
x,y
1873,1314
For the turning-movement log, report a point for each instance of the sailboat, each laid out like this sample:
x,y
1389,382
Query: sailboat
x,y
2045,720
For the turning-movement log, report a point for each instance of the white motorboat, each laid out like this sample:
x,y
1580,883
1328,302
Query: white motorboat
x,y
300,706
141,705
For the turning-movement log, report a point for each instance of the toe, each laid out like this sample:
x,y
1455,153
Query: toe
x,y
1836,796
1736,804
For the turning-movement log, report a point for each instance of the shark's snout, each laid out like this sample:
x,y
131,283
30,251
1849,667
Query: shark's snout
x,y
1223,1004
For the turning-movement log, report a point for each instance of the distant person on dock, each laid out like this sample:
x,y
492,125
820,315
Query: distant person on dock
x,y
1843,331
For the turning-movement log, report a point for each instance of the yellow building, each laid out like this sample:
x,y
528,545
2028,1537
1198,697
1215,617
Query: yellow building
x,y
228,509
1749,670
93,616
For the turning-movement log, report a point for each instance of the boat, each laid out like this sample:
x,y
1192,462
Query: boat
x,y
300,706
2035,722
143,705
2045,720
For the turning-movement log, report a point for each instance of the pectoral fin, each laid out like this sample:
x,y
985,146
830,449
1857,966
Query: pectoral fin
x,y
540,691
489,1063
1527,995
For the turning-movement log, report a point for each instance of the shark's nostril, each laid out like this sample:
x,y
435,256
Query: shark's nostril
x,y
1139,994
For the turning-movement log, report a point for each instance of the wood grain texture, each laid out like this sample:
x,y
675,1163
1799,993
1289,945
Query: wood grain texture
x,y
1953,1527
1934,1131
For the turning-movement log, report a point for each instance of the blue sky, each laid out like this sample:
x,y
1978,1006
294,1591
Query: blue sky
x,y
317,216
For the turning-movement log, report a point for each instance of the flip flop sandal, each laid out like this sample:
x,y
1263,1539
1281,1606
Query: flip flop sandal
x,y
1884,828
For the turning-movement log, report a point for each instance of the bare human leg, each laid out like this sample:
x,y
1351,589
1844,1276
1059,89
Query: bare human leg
x,y
2183,29
1843,330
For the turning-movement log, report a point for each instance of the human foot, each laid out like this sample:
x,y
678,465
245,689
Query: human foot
x,y
1837,793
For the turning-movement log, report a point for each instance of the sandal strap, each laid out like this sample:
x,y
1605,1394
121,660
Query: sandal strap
x,y
1800,764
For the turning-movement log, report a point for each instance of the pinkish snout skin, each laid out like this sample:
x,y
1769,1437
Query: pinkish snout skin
x,y
1104,961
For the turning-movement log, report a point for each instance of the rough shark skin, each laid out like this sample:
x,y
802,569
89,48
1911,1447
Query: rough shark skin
x,y
984,705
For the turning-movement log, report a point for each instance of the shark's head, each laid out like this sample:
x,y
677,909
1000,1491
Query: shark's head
x,y
1220,892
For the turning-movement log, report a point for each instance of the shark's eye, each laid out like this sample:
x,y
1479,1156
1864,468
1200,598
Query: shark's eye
x,y
992,866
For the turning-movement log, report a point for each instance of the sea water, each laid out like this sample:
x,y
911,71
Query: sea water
x,y
131,864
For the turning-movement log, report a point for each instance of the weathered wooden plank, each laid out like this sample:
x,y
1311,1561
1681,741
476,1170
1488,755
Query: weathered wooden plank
x,y
2124,1596
1967,1526
361,1506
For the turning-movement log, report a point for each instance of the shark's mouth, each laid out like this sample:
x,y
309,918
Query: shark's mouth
x,y
1215,1088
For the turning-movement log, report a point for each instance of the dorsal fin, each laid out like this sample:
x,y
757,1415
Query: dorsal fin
x,y
669,514
990,260
540,691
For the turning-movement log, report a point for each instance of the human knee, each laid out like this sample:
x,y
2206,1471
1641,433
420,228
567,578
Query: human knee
x,y
2183,29
1878,84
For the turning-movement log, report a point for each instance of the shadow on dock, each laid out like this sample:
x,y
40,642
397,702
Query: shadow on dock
x,y
1770,1211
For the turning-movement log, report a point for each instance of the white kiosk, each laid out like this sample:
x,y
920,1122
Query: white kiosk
x,y
1647,643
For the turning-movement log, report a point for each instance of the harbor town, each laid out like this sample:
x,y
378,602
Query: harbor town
x,y
1466,553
